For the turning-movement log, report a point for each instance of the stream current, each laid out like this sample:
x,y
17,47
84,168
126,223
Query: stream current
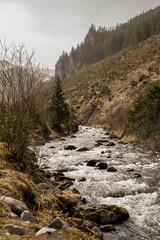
x,y
135,185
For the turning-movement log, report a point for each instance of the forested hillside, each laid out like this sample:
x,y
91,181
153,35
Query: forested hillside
x,y
105,91
103,42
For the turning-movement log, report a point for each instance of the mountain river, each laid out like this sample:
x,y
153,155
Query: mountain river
x,y
135,185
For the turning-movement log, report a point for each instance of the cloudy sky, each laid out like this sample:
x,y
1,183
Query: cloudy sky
x,y
51,26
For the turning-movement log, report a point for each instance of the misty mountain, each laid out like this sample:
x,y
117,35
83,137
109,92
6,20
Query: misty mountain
x,y
102,42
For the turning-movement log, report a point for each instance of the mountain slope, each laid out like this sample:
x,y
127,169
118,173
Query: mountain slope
x,y
101,43
103,92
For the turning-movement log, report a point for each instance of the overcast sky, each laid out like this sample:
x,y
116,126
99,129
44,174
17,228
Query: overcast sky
x,y
51,26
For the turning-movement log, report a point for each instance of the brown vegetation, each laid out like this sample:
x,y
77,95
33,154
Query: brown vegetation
x,y
104,91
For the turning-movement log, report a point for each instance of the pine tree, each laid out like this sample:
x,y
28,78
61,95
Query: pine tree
x,y
58,109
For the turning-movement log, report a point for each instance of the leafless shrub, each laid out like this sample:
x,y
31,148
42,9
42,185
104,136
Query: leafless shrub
x,y
20,85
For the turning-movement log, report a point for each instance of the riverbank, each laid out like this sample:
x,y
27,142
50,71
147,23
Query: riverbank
x,y
134,186
49,209
82,176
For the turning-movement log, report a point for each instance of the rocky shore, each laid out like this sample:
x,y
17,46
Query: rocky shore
x,y
69,212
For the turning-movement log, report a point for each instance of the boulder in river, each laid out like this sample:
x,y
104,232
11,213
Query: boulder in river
x,y
130,170
111,169
121,213
82,179
92,163
73,136
83,149
70,147
110,144
102,216
137,175
98,144
102,165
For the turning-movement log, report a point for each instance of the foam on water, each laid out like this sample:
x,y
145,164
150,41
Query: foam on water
x,y
140,196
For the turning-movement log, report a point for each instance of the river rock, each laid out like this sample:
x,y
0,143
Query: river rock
x,y
27,216
83,200
137,175
130,170
82,179
110,144
98,144
45,230
121,142
92,163
84,149
85,209
107,228
16,206
102,216
111,169
102,165
58,223
118,194
68,202
75,191
13,229
73,136
70,147
121,213
102,141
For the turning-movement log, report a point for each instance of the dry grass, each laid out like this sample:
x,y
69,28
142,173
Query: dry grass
x,y
42,205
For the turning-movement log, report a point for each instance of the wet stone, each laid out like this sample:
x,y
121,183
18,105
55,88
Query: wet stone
x,y
110,144
70,147
84,149
102,165
111,169
92,163
137,175
98,144
82,179
130,170
102,141
73,136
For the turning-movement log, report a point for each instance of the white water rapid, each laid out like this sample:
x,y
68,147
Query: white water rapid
x,y
135,184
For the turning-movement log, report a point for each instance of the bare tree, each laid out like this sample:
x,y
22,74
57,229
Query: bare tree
x,y
20,84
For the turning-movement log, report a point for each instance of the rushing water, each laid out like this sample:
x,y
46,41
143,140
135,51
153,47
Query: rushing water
x,y
140,195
